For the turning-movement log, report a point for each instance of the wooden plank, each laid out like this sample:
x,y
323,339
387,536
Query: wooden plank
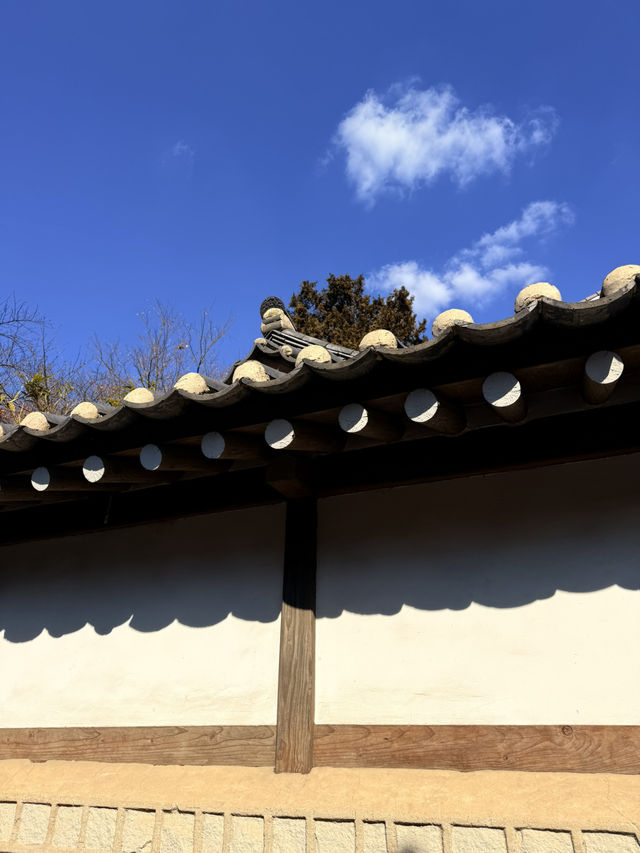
x,y
296,677
249,746
578,749
572,749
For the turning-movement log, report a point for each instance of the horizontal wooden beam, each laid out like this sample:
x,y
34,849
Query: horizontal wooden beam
x,y
594,432
165,457
282,434
214,445
249,746
104,511
360,421
291,476
120,469
423,408
569,749
49,484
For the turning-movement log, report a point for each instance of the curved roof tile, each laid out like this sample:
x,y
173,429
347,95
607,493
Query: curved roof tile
x,y
543,316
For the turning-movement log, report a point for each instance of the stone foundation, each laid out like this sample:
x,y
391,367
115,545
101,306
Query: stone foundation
x,y
58,807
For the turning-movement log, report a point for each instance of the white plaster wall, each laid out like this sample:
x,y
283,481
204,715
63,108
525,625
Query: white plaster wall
x,y
168,624
509,599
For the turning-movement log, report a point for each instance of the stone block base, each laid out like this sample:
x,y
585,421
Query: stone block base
x,y
59,807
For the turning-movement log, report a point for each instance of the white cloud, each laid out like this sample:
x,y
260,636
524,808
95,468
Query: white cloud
x,y
426,133
177,161
473,276
182,149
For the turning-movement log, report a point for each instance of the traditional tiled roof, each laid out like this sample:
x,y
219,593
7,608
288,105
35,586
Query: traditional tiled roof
x,y
467,375
283,360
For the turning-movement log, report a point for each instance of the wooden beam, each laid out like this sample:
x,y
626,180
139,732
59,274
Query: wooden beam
x,y
590,433
357,420
594,433
249,746
102,511
60,478
602,373
570,749
296,676
290,476
422,407
19,487
120,469
232,445
168,457
25,495
504,394
282,434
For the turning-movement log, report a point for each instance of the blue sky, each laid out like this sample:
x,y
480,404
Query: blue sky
x,y
214,153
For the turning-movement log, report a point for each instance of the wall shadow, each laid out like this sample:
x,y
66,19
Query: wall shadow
x,y
501,541
196,571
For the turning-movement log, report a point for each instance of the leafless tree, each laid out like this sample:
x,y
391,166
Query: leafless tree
x,y
167,347
19,329
50,383
35,375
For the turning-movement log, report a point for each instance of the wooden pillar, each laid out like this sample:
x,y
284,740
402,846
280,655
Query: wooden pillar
x,y
296,677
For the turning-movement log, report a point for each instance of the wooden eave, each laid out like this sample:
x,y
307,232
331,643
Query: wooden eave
x,y
545,347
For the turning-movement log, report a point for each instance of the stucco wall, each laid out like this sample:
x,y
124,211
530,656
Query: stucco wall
x,y
169,624
509,599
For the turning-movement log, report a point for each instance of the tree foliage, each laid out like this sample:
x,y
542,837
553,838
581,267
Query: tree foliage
x,y
343,313
35,375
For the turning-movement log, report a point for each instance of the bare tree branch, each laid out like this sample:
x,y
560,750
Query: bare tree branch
x,y
168,347
34,375
19,328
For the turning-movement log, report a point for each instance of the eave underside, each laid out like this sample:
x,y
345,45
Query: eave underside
x,y
544,350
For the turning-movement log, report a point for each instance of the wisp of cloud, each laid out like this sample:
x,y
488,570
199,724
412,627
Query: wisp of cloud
x,y
178,160
408,143
479,273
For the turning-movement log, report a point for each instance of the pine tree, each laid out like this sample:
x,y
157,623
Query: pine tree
x,y
343,313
